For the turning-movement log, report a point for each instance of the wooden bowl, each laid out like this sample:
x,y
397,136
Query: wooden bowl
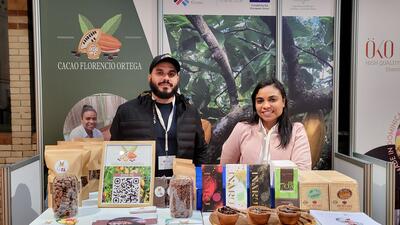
x,y
288,214
259,214
227,216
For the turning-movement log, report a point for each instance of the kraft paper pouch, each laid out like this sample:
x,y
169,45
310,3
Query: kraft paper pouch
x,y
94,165
88,139
185,167
85,159
62,162
81,141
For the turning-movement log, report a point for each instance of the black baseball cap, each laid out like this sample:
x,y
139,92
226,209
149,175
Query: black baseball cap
x,y
164,58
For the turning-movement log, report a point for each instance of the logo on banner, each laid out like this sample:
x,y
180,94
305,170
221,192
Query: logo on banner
x,y
97,41
183,2
381,53
391,151
393,142
259,4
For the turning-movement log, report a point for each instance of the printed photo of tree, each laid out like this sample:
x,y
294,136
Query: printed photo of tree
x,y
224,57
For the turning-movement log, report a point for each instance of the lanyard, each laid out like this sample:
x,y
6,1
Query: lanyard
x,y
169,122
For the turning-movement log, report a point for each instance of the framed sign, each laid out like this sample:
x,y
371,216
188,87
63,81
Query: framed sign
x,y
127,174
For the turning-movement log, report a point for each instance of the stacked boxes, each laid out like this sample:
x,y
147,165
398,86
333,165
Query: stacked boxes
x,y
313,191
343,191
328,190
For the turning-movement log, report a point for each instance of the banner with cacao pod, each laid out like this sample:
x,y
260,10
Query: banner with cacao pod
x,y
376,113
227,47
89,48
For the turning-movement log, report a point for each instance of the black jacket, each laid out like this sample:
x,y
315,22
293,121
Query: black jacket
x,y
135,121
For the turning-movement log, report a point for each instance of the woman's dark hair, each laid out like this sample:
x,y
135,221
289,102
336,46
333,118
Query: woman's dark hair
x,y
285,125
87,108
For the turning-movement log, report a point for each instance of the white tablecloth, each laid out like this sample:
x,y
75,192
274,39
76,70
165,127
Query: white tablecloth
x,y
89,212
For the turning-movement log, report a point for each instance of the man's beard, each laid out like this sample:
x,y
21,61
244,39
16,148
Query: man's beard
x,y
162,94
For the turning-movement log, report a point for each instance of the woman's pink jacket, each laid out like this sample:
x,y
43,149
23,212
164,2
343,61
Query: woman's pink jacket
x,y
244,146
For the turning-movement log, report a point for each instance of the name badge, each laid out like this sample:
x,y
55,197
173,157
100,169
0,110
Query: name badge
x,y
165,162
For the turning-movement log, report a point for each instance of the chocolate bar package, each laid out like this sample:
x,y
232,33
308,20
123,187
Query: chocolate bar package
x,y
199,188
259,182
160,192
212,192
286,187
236,186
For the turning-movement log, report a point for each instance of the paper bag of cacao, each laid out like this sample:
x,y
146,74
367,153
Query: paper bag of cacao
x,y
185,167
62,162
88,139
85,160
94,165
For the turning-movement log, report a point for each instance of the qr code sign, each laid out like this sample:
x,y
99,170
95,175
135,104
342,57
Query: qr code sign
x,y
126,190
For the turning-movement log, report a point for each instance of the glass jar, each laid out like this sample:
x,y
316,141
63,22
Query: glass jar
x,y
181,192
65,196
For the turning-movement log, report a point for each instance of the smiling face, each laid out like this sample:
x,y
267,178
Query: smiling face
x,y
89,120
164,80
269,105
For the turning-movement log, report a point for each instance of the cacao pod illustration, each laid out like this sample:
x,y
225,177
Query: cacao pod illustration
x,y
314,125
109,44
90,37
94,42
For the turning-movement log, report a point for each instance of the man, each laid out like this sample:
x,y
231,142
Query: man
x,y
163,115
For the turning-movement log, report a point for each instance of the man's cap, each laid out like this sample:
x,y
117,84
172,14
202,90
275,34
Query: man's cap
x,y
164,58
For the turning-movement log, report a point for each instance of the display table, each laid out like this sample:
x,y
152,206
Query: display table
x,y
89,213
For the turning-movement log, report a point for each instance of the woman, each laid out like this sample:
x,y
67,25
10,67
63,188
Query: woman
x,y
269,135
87,129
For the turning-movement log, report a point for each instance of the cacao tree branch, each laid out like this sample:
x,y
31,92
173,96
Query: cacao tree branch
x,y
218,54
239,72
224,127
323,61
261,46
246,28
303,100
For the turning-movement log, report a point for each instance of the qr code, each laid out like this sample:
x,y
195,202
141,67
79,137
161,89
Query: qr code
x,y
126,190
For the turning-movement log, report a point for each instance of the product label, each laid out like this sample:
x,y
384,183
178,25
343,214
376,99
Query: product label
x,y
344,193
61,166
314,193
236,185
259,185
159,191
